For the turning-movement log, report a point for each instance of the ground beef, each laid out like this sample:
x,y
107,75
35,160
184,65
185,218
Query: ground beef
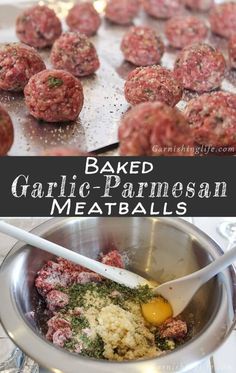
x,y
56,299
162,9
212,118
6,132
232,52
142,47
113,258
84,18
38,26
18,63
182,31
86,277
54,324
152,83
155,129
173,329
54,96
75,53
60,337
50,277
199,4
122,12
200,68
64,152
223,19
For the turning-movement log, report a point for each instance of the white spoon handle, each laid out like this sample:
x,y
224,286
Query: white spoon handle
x,y
217,266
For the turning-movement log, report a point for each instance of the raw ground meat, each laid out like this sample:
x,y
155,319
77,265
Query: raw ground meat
x,y
75,53
182,31
142,47
152,83
200,68
232,51
56,299
122,12
86,277
65,273
223,19
84,18
61,336
162,9
212,118
113,258
54,96
6,132
151,129
38,26
18,62
64,152
174,329
54,324
199,4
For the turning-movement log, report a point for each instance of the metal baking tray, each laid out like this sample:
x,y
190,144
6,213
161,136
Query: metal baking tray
x,y
97,125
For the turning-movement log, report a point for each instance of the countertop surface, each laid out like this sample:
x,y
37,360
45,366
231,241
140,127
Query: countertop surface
x,y
223,361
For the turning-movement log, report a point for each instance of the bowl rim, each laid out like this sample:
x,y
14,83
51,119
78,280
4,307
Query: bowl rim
x,y
56,359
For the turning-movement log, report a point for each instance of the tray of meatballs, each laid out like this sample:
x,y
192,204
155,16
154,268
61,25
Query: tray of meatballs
x,y
118,77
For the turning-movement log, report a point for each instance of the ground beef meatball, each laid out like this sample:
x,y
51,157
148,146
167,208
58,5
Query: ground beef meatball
x,y
38,26
200,68
173,328
202,5
223,19
84,18
54,96
75,53
155,129
152,83
212,118
18,63
232,52
64,152
122,12
142,47
6,132
162,9
182,31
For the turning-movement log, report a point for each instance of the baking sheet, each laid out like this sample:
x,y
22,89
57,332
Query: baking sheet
x,y
104,98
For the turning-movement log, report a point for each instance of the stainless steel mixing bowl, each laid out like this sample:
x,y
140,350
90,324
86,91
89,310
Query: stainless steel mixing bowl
x,y
162,248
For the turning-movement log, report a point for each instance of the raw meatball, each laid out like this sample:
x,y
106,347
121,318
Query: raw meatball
x,y
122,12
56,299
75,53
182,31
18,63
232,52
223,19
200,68
64,152
152,83
142,47
174,329
162,8
212,118
6,132
155,129
84,18
38,26
54,96
199,4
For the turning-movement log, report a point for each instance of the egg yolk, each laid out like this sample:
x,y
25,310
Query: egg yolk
x,y
157,311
